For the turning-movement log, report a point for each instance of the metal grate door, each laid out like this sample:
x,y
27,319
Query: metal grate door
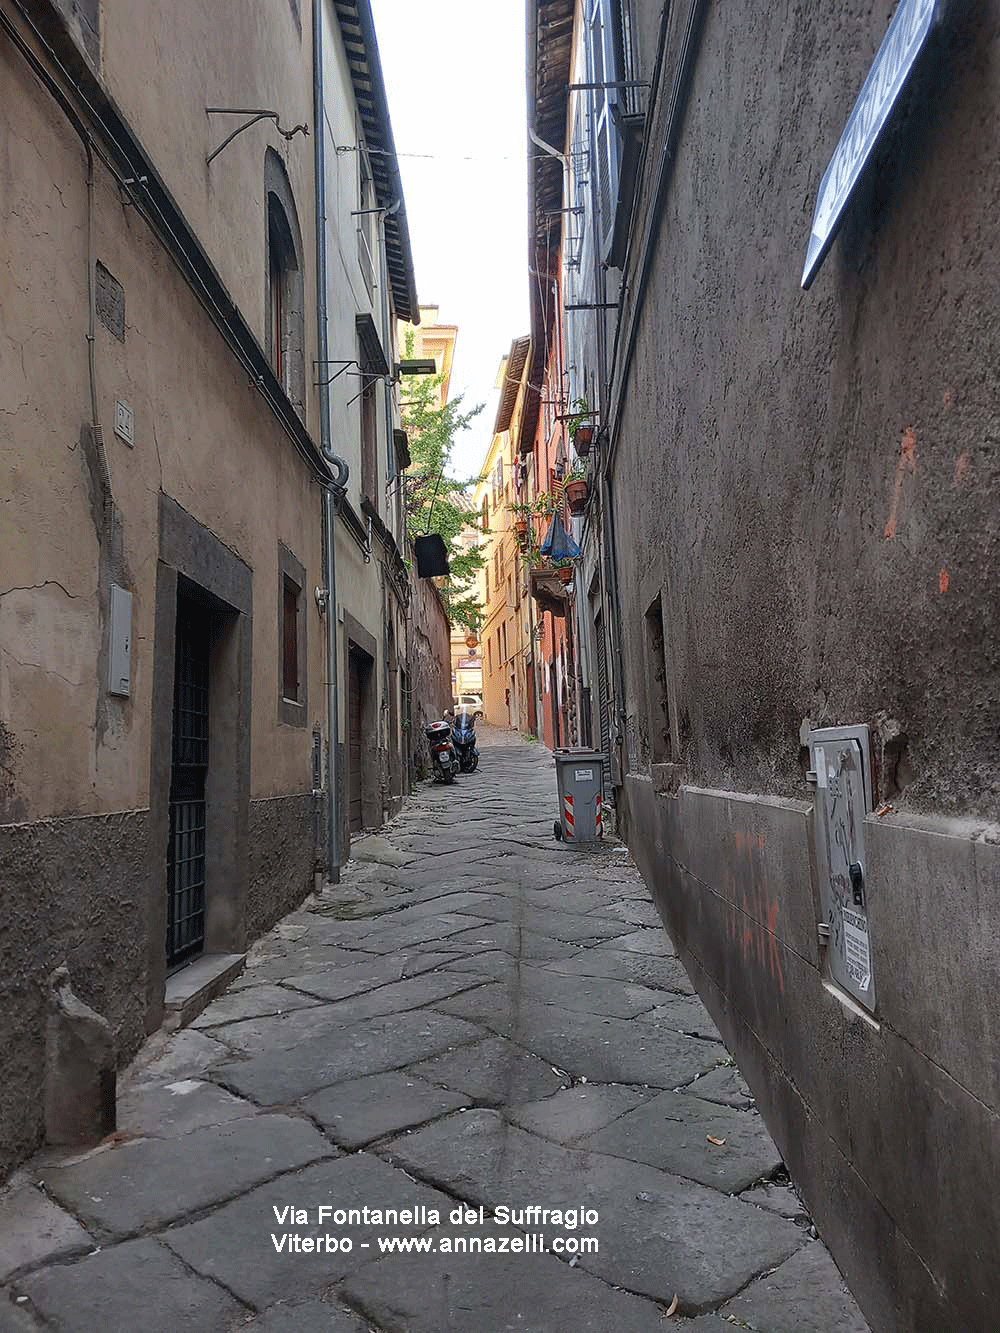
x,y
186,850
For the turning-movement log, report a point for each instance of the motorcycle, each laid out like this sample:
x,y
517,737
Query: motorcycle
x,y
464,736
443,755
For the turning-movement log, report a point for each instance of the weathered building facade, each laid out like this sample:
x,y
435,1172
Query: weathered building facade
x,y
500,501
173,437
791,563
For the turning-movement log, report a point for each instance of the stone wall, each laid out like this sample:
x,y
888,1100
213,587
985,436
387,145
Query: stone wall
x,y
806,484
74,893
287,845
430,666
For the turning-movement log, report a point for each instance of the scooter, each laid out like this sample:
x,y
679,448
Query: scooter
x,y
443,755
464,735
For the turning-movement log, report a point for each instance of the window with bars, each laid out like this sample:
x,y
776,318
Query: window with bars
x,y
291,629
369,443
290,641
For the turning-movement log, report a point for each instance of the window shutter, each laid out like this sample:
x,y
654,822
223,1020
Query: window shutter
x,y
604,70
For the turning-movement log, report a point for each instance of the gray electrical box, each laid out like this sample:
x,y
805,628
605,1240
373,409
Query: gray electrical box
x,y
120,642
841,761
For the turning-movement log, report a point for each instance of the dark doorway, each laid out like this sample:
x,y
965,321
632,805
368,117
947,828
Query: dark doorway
x,y
354,711
188,771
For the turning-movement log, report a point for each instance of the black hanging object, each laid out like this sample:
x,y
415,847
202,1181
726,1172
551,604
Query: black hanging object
x,y
432,556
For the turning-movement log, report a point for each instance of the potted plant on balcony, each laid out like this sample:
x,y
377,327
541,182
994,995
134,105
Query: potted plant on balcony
x,y
581,427
577,488
564,569
522,518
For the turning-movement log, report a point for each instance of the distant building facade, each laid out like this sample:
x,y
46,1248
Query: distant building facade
x,y
507,648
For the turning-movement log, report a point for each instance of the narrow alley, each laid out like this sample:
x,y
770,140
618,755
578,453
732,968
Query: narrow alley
x,y
476,1017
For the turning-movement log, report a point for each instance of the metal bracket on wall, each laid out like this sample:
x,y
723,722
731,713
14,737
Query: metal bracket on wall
x,y
255,114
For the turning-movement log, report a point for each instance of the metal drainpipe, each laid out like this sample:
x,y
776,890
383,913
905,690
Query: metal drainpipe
x,y
334,489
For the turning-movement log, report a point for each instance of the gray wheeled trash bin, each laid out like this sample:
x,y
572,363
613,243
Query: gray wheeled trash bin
x,y
579,774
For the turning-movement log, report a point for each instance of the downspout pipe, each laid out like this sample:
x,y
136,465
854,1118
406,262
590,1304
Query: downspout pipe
x,y
333,489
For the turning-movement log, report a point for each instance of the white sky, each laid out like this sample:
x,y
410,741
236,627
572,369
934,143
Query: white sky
x,y
455,75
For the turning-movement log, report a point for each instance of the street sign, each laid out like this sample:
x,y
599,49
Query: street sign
x,y
903,42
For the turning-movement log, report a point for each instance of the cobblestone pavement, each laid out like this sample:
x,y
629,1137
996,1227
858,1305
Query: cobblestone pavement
x,y
478,1016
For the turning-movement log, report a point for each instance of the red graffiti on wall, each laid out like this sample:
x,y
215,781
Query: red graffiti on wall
x,y
754,927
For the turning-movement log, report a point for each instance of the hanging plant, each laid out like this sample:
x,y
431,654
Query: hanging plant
x,y
581,427
577,488
576,495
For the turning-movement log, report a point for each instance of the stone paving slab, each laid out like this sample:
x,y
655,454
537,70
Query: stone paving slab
x,y
494,1071
234,1245
379,850
724,1085
642,941
274,965
519,942
534,1293
659,1235
806,1292
34,1229
252,1002
686,1014
185,1054
278,1077
574,1112
571,927
364,1109
138,1285
145,1183
663,973
338,983
635,912
672,1132
589,995
435,928
168,1110
583,899
398,996
308,1317
780,1199
16,1318
255,1036
600,1049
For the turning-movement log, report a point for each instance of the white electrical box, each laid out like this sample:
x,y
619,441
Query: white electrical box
x,y
120,643
124,423
841,761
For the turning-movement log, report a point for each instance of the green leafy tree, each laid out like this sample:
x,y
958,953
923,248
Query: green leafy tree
x,y
433,501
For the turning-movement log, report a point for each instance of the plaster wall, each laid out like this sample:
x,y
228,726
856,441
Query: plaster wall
x,y
80,866
348,292
165,71
816,473
808,483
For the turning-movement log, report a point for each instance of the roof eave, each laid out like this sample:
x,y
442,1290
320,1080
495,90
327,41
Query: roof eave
x,y
361,42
